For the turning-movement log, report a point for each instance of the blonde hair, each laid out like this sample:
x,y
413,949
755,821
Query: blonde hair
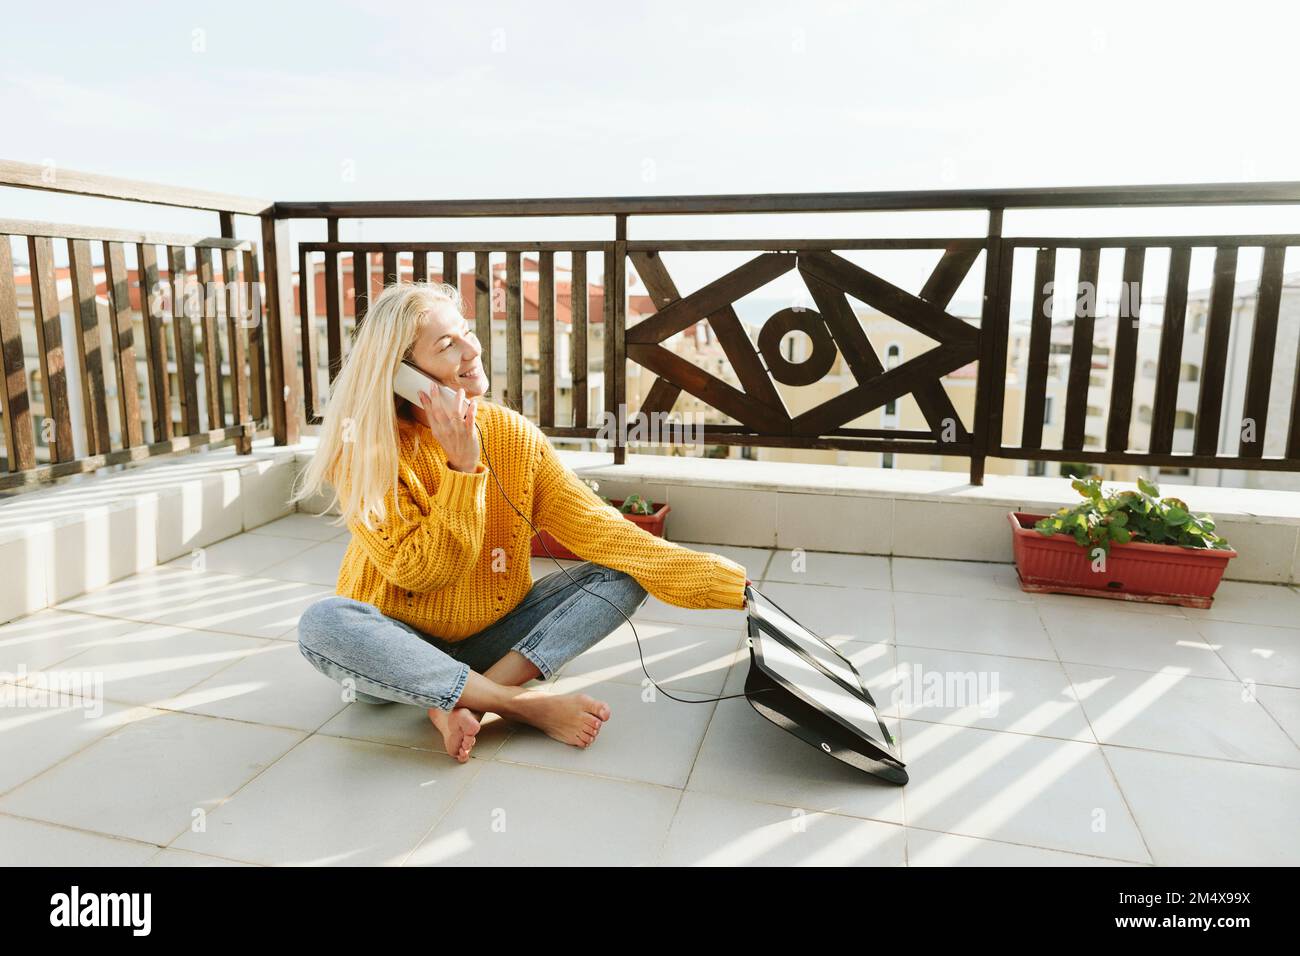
x,y
357,454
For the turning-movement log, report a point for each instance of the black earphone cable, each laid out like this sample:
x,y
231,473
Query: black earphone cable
x,y
706,700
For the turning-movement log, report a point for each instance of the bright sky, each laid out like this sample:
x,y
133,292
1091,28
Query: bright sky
x,y
371,100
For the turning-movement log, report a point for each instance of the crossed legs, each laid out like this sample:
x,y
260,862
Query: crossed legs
x,y
571,718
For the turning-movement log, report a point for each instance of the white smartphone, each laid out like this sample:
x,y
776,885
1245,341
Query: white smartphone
x,y
409,382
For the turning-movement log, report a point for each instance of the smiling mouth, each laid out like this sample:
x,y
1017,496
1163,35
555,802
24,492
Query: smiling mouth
x,y
472,373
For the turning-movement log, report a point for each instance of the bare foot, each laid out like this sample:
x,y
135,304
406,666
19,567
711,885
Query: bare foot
x,y
459,729
573,719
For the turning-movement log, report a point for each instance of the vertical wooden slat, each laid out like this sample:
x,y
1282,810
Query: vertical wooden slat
x,y
483,308
284,393
450,267
607,326
1263,342
49,342
211,344
390,267
307,329
514,335
187,388
1170,362
155,345
1085,314
419,266
360,284
1214,359
1001,329
20,447
619,315
1293,430
993,253
95,402
578,338
256,338
333,305
236,300
1124,359
546,339
1040,343
122,323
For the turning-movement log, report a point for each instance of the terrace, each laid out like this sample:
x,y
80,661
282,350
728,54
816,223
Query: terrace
x,y
1062,730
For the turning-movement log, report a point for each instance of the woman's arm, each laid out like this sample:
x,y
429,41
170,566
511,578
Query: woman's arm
x,y
568,509
427,541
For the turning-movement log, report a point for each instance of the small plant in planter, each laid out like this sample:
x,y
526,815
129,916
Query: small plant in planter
x,y
649,516
635,505
1126,516
1131,544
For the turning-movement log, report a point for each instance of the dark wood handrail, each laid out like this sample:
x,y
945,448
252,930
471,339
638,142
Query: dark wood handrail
x,y
1192,194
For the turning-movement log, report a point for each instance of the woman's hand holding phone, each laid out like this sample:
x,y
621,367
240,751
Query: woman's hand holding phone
x,y
451,419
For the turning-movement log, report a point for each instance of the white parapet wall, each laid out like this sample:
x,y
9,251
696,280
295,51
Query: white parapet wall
x,y
61,541
921,514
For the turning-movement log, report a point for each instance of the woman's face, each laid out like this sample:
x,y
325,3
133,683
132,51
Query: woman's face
x,y
448,349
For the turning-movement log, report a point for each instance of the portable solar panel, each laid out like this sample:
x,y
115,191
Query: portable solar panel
x,y
803,685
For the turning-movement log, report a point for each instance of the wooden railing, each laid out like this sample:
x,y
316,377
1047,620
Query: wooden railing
x,y
274,379
759,411
178,291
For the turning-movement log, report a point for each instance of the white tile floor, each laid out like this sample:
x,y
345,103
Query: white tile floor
x,y
1043,730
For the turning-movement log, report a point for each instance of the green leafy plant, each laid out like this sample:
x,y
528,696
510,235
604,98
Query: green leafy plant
x,y
636,505
632,504
1125,516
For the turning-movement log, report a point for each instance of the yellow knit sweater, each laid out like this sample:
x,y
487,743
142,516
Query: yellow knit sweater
x,y
452,557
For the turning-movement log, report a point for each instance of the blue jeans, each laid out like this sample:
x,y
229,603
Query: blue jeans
x,y
389,660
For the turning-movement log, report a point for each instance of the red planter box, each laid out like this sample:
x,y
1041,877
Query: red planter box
x,y
654,523
1137,571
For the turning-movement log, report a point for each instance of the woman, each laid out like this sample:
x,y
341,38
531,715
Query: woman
x,y
435,600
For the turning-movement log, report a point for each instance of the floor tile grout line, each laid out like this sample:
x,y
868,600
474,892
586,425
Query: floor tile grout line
x,y
451,805
133,841
1114,778
1235,679
130,705
1096,746
657,859
1104,743
1128,807
159,623
1276,719
207,814
1026,846
589,774
117,837
225,666
5,794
